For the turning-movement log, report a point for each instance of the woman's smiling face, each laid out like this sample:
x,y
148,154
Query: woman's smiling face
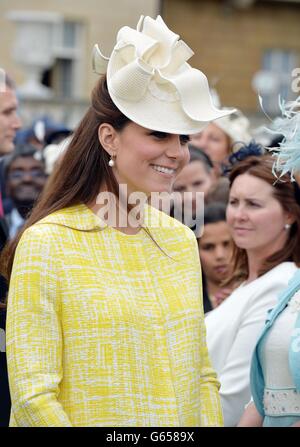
x,y
146,160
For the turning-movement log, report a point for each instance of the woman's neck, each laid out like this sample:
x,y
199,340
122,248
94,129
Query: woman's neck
x,y
212,287
115,213
257,257
254,266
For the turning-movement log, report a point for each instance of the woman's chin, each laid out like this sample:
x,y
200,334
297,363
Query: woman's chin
x,y
163,189
244,245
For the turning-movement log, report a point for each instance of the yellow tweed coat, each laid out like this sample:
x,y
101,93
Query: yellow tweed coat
x,y
107,329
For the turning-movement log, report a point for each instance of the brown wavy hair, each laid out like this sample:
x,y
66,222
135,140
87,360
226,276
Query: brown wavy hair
x,y
284,192
81,171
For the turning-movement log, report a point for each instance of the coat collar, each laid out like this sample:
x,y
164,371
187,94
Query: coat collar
x,y
78,217
81,217
256,372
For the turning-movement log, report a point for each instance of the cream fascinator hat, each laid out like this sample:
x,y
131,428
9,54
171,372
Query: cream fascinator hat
x,y
236,126
151,83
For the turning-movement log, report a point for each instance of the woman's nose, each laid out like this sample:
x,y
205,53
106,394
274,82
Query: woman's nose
x,y
240,213
220,252
176,149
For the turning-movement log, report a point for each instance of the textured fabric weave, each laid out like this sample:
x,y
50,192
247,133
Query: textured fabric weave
x,y
233,329
107,329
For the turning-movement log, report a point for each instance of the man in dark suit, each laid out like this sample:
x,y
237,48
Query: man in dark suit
x,y
9,124
25,178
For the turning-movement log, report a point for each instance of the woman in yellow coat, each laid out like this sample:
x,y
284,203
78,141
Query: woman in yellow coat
x,y
105,321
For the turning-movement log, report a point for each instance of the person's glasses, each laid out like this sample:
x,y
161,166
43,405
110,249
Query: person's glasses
x,y
19,174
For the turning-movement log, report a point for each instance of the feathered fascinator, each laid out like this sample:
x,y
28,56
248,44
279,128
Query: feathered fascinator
x,y
247,150
288,153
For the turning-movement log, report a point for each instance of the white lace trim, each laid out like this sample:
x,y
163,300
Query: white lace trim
x,y
294,303
281,402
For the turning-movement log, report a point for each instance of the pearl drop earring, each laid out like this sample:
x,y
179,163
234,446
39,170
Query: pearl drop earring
x,y
111,162
287,226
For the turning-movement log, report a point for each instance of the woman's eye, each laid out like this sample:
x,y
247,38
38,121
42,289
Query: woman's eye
x,y
214,139
207,247
159,135
184,139
178,188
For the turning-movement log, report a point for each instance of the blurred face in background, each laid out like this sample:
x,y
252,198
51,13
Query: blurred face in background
x,y
215,249
255,217
25,180
194,177
9,120
214,142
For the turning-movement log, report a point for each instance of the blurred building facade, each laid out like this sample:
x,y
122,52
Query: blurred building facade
x,y
235,42
74,27
236,39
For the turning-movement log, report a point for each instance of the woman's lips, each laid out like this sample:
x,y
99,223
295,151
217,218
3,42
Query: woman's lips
x,y
221,268
241,231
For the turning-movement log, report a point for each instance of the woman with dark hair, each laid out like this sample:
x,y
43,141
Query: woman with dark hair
x,y
215,249
264,220
275,372
100,330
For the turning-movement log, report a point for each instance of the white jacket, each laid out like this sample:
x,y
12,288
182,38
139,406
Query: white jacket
x,y
232,331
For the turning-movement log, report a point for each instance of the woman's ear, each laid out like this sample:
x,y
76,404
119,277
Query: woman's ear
x,y
108,137
290,218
